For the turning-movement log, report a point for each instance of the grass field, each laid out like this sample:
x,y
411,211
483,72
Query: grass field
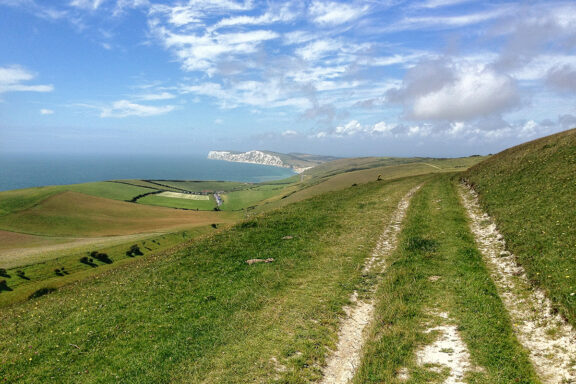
x,y
76,214
530,190
203,314
17,200
162,201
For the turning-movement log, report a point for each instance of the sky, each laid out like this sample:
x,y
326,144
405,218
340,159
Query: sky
x,y
438,78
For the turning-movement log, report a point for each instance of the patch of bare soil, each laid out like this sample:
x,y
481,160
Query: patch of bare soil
x,y
342,364
550,341
448,353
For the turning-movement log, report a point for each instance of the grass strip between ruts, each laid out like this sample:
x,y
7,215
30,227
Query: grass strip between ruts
x,y
436,241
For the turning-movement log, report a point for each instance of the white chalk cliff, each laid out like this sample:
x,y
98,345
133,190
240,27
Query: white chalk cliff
x,y
252,157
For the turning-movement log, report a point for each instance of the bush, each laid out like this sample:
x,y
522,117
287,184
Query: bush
x,y
3,272
103,257
4,286
134,251
88,261
41,292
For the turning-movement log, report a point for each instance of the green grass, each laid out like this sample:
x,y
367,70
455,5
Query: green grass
x,y
200,186
21,199
202,315
530,190
42,274
436,241
246,198
173,202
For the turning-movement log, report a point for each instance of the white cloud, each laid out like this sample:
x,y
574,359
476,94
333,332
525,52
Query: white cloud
x,y
282,15
449,22
202,53
476,92
156,96
125,108
196,10
441,3
12,79
332,13
87,4
455,91
46,111
318,49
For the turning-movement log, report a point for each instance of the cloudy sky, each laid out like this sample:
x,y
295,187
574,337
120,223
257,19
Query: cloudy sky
x,y
349,78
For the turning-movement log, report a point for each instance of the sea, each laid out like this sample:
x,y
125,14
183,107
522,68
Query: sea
x,y
26,171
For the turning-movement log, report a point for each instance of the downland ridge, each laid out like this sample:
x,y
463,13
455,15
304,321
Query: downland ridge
x,y
202,314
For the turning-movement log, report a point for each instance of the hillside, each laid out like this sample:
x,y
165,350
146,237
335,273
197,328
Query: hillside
x,y
359,271
530,190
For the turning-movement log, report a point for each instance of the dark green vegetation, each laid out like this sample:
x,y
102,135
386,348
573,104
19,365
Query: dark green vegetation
x,y
530,191
202,314
435,271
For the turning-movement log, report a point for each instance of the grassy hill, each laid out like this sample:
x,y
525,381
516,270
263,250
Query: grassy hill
x,y
199,313
530,190
203,314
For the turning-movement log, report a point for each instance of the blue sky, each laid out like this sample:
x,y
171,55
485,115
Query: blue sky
x,y
352,78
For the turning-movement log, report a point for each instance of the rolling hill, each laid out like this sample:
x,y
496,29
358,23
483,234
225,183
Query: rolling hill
x,y
387,244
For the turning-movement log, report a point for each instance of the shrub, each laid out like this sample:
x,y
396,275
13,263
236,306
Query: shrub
x,y
214,226
4,286
134,251
3,272
103,257
41,292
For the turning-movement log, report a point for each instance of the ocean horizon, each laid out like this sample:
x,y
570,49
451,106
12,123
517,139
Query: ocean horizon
x,y
27,171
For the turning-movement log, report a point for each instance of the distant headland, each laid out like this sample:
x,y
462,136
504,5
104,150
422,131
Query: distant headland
x,y
298,162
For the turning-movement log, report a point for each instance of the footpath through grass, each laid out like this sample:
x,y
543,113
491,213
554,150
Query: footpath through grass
x,y
437,269
203,314
530,191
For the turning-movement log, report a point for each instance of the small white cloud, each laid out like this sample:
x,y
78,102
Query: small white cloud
x,y
46,111
156,96
332,13
318,49
289,133
125,108
87,4
13,77
218,121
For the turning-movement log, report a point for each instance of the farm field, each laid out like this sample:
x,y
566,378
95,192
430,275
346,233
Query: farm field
x,y
162,200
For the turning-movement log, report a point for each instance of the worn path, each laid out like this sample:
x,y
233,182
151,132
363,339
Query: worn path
x,y
550,340
342,364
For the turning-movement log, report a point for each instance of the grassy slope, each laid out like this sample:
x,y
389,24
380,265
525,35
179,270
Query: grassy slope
x,y
408,298
76,214
20,199
530,190
174,202
204,315
341,174
42,274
